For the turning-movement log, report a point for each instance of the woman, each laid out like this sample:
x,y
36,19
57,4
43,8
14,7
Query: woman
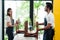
x,y
10,24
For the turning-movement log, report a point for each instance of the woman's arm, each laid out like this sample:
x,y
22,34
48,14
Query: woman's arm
x,y
9,24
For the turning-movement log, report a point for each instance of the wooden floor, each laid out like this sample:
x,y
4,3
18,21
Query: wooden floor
x,y
21,37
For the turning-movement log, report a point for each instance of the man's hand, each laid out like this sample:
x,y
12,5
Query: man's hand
x,y
39,29
40,23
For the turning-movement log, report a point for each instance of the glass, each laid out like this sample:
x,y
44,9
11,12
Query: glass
x,y
20,13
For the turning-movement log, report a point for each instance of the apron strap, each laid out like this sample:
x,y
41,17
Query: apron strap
x,y
45,22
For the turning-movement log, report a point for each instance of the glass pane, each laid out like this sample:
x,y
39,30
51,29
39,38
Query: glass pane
x,y
17,0
20,12
39,15
1,20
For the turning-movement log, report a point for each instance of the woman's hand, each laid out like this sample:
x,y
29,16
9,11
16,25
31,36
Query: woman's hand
x,y
16,24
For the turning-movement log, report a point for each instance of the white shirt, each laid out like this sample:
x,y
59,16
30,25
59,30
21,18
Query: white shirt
x,y
50,19
8,20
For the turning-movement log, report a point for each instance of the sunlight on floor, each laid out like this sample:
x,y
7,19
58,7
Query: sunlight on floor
x,y
21,37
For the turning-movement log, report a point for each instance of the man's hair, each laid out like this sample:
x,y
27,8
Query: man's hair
x,y
49,5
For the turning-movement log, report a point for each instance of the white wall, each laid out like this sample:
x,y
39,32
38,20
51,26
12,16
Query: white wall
x,y
0,19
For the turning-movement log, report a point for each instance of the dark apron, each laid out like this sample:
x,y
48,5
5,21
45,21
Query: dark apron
x,y
48,34
9,31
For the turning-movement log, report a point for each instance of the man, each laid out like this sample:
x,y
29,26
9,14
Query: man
x,y
48,23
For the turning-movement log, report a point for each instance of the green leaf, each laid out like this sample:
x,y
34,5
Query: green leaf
x,y
37,4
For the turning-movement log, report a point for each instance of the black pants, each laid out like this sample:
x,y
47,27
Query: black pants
x,y
9,32
48,34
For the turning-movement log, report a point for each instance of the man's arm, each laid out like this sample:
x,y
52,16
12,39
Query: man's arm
x,y
40,23
47,27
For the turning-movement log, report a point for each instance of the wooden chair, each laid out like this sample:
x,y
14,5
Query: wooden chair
x,y
26,34
25,31
17,28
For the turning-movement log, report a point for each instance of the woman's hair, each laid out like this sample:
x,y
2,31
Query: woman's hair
x,y
8,11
